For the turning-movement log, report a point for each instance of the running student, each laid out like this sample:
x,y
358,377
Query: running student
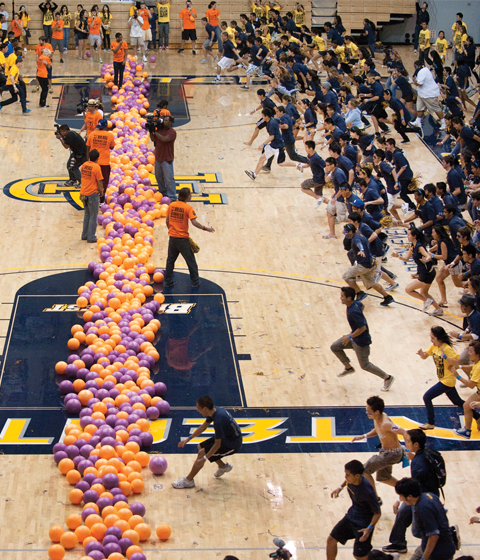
x,y
265,103
391,451
208,44
227,62
358,339
258,54
226,441
360,520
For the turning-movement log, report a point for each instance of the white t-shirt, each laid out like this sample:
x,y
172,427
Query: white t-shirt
x,y
427,86
5,23
136,28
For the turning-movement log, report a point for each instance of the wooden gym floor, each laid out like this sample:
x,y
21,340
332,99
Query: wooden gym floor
x,y
281,280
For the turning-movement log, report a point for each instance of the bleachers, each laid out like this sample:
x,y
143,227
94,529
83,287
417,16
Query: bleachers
x,y
378,11
228,11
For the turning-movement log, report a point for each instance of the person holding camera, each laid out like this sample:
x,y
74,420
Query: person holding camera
x,y
164,139
135,22
78,153
90,192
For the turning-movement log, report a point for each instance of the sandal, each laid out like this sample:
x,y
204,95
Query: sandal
x,y
328,236
443,304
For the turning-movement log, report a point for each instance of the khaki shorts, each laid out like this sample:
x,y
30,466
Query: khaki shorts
x,y
383,462
430,103
338,209
366,274
136,41
310,184
147,35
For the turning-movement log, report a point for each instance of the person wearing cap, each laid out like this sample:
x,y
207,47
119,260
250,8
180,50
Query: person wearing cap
x,y
103,141
92,117
471,325
363,267
90,192
16,91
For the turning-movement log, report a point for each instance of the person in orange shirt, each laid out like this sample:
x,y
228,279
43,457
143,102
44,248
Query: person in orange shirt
x,y
92,117
42,44
95,32
178,216
162,110
119,47
147,32
43,64
57,35
17,27
213,13
103,141
90,191
188,16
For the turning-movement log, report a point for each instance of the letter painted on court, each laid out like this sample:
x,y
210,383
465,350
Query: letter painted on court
x,y
254,430
176,308
13,433
160,429
323,431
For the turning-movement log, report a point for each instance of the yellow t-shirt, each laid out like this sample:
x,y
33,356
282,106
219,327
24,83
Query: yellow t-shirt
x,y
25,20
319,42
293,40
424,39
442,46
475,375
257,10
351,49
10,63
67,20
298,17
445,371
3,60
231,35
163,13
340,52
455,25
13,75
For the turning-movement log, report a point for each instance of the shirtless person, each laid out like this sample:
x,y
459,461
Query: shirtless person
x,y
391,451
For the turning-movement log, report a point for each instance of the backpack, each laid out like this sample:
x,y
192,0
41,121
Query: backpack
x,y
437,465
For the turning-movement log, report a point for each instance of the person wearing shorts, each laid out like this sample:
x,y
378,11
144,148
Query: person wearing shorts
x,y
226,441
208,44
95,33
188,16
57,35
337,209
314,186
360,520
258,53
227,62
136,33
428,93
147,32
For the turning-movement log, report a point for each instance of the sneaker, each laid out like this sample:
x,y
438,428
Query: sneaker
x,y
196,285
194,52
203,61
183,483
406,141
387,301
319,202
405,208
50,90
360,296
180,50
437,313
166,48
266,169
244,87
251,174
25,49
44,106
415,50
464,433
427,304
427,426
94,240
217,80
443,125
395,548
220,472
388,383
69,184
36,88
457,541
346,372
27,111
100,60
392,287
61,60
144,59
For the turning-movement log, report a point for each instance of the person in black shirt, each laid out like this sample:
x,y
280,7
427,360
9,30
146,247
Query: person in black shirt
x,y
227,441
361,518
272,147
78,153
265,103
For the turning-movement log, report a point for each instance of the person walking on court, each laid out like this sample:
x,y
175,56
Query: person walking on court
x,y
226,441
178,215
391,452
358,340
360,520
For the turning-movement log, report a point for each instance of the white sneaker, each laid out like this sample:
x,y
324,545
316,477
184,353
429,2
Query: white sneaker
x,y
25,49
417,122
427,304
183,483
437,312
443,125
319,202
144,58
220,472
405,209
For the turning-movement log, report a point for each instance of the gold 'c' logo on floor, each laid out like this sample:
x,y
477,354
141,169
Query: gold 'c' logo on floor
x,y
52,189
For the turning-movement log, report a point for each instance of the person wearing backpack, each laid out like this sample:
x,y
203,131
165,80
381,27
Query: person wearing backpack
x,y
423,470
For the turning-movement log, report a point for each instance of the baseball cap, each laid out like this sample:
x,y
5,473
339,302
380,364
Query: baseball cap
x,y
468,300
359,204
102,123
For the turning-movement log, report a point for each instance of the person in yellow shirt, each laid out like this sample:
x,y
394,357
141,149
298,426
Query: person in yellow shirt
x,y
299,15
229,31
424,42
257,8
26,24
3,52
441,45
446,361
351,50
472,380
16,91
458,21
67,21
163,24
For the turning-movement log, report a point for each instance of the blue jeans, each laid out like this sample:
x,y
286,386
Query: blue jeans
x,y
165,179
436,391
66,37
15,95
47,31
163,33
90,216
218,36
403,520
154,39
418,28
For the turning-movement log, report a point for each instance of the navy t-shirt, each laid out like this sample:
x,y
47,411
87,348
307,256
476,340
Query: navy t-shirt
x,y
386,172
371,37
426,213
210,29
337,177
430,519
310,117
397,106
373,193
473,322
292,111
364,503
273,129
473,268
339,121
331,97
400,161
376,246
360,244
424,473
452,86
226,428
345,164
267,103
317,165
356,320
351,152
228,49
287,133
454,182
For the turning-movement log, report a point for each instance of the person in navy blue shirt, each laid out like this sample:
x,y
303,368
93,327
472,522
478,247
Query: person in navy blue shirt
x,y
329,96
370,32
386,171
437,203
430,520
426,212
374,103
454,180
336,176
447,197
337,118
333,34
226,441
348,198
314,186
472,263
454,222
348,150
402,119
365,267
376,245
470,327
358,340
403,169
468,138
450,83
343,162
371,193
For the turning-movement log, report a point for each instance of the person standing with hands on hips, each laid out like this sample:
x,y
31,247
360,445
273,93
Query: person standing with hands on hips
x,y
178,215
227,441
164,140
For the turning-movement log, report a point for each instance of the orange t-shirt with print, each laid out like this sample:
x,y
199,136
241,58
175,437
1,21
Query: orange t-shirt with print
x,y
39,49
119,56
95,29
17,28
186,15
91,174
42,69
145,15
212,16
179,213
91,120
57,29
103,141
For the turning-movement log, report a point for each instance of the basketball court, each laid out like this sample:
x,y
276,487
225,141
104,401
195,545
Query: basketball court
x,y
259,331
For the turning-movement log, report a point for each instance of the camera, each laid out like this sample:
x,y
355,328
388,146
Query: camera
x,y
153,122
281,552
82,106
